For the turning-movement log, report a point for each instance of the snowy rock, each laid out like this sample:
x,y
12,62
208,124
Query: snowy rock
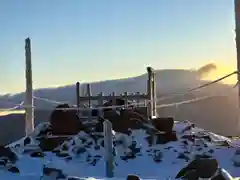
x,y
141,151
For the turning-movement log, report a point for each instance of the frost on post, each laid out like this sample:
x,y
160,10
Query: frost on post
x,y
29,124
108,145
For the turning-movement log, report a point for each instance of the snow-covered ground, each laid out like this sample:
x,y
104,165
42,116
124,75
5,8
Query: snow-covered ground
x,y
148,156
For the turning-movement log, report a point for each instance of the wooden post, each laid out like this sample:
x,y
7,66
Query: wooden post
x,y
137,101
78,94
108,145
154,94
89,94
100,103
237,31
150,93
126,99
29,111
113,98
100,100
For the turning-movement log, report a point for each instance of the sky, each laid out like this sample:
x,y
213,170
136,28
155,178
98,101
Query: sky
x,y
91,40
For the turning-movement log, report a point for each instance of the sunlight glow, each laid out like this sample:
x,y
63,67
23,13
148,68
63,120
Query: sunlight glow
x,y
221,70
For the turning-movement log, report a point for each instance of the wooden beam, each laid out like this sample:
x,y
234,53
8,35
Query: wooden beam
x,y
107,98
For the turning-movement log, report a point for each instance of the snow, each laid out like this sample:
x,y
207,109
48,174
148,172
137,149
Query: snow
x,y
82,156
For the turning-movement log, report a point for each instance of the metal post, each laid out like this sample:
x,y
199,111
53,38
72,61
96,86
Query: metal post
x,y
29,111
108,145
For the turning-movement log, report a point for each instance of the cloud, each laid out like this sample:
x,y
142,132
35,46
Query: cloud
x,y
206,69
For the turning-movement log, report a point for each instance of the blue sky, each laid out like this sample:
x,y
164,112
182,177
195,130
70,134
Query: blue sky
x,y
88,40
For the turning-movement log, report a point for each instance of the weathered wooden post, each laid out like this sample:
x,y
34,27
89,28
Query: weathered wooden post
x,y
108,145
113,98
150,92
89,94
29,111
137,101
100,103
154,93
100,99
78,94
126,99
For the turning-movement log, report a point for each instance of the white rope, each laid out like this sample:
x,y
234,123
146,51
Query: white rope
x,y
129,106
169,96
53,101
13,108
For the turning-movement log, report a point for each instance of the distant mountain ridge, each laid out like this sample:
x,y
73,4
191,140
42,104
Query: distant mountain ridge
x,y
219,114
168,81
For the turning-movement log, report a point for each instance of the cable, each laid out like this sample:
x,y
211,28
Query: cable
x,y
53,101
130,106
13,108
196,88
158,99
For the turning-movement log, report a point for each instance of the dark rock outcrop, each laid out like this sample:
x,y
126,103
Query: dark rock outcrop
x,y
200,168
132,177
164,124
65,122
54,173
7,154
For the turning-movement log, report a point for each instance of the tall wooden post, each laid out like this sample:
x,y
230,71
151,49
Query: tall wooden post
x,y
108,145
29,111
150,92
154,93
78,94
237,30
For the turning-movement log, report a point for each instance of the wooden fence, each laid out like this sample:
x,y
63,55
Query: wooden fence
x,y
150,97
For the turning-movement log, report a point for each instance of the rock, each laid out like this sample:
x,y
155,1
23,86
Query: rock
x,y
223,175
65,122
5,152
27,141
191,175
163,124
188,128
14,170
132,177
54,173
127,119
37,154
44,130
205,168
51,144
163,138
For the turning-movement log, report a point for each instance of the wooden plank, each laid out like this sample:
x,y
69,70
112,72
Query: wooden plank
x,y
107,98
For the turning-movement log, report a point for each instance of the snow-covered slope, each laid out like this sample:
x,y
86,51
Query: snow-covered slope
x,y
139,152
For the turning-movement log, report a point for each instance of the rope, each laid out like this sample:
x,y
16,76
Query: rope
x,y
13,108
129,106
53,101
197,88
